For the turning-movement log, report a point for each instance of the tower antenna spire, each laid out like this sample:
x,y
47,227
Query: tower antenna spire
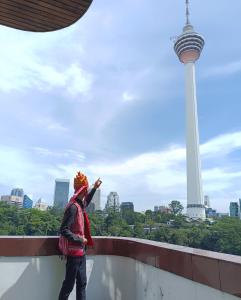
x,y
187,12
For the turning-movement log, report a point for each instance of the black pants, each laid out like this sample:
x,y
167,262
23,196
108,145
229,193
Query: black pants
x,y
75,271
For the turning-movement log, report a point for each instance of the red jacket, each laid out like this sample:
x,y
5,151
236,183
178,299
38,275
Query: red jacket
x,y
80,228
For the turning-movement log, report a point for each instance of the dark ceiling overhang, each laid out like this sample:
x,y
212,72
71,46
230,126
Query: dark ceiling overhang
x,y
41,15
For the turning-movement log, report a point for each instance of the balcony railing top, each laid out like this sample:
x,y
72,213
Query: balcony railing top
x,y
217,270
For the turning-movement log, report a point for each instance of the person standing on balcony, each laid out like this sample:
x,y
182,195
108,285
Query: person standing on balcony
x,y
75,236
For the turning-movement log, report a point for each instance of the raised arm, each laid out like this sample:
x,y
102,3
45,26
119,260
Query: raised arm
x,y
90,195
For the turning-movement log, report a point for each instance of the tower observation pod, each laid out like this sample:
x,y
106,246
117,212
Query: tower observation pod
x,y
188,47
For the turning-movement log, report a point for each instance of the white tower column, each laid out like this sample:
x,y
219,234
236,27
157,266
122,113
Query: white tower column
x,y
188,47
195,202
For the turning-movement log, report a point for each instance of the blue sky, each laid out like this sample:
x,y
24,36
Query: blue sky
x,y
106,96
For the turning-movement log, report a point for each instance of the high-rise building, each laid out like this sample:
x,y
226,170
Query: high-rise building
x,y
27,202
61,193
112,204
17,192
207,201
13,200
96,200
188,47
239,201
234,209
156,208
127,206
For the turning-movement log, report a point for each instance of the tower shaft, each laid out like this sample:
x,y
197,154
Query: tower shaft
x,y
195,202
188,48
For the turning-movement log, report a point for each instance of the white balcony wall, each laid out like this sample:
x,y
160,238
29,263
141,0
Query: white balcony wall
x,y
109,278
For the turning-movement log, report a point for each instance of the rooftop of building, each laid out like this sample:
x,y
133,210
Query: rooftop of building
x,y
42,15
62,180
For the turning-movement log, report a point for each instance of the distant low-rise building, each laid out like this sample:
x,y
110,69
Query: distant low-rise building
x,y
127,206
41,205
13,200
210,213
222,215
162,209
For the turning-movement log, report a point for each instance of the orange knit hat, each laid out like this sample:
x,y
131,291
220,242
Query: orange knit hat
x,y
80,180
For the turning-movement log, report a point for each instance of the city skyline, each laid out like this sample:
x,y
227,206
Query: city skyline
x,y
80,104
27,202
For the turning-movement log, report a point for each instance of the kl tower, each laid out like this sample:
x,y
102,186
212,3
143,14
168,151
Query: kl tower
x,y
188,47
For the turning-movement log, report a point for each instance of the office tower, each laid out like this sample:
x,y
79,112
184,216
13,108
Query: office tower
x,y
207,201
188,47
112,204
156,208
27,202
17,192
61,193
234,209
96,200
239,201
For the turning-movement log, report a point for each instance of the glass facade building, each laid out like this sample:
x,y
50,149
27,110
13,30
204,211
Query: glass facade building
x,y
61,193
17,192
234,209
27,202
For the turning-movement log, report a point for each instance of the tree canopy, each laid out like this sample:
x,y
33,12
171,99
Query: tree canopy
x,y
224,235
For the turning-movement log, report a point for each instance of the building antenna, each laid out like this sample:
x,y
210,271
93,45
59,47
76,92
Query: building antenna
x,y
187,12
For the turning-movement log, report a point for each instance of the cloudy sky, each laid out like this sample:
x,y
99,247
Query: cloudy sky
x,y
106,96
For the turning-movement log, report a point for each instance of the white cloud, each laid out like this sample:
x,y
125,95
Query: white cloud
x,y
156,174
224,70
50,125
73,79
29,66
67,153
222,144
128,97
18,170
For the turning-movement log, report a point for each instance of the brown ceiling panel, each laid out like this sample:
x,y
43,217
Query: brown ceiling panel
x,y
41,15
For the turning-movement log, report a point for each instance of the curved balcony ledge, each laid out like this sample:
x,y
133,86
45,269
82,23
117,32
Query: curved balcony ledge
x,y
41,15
221,272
